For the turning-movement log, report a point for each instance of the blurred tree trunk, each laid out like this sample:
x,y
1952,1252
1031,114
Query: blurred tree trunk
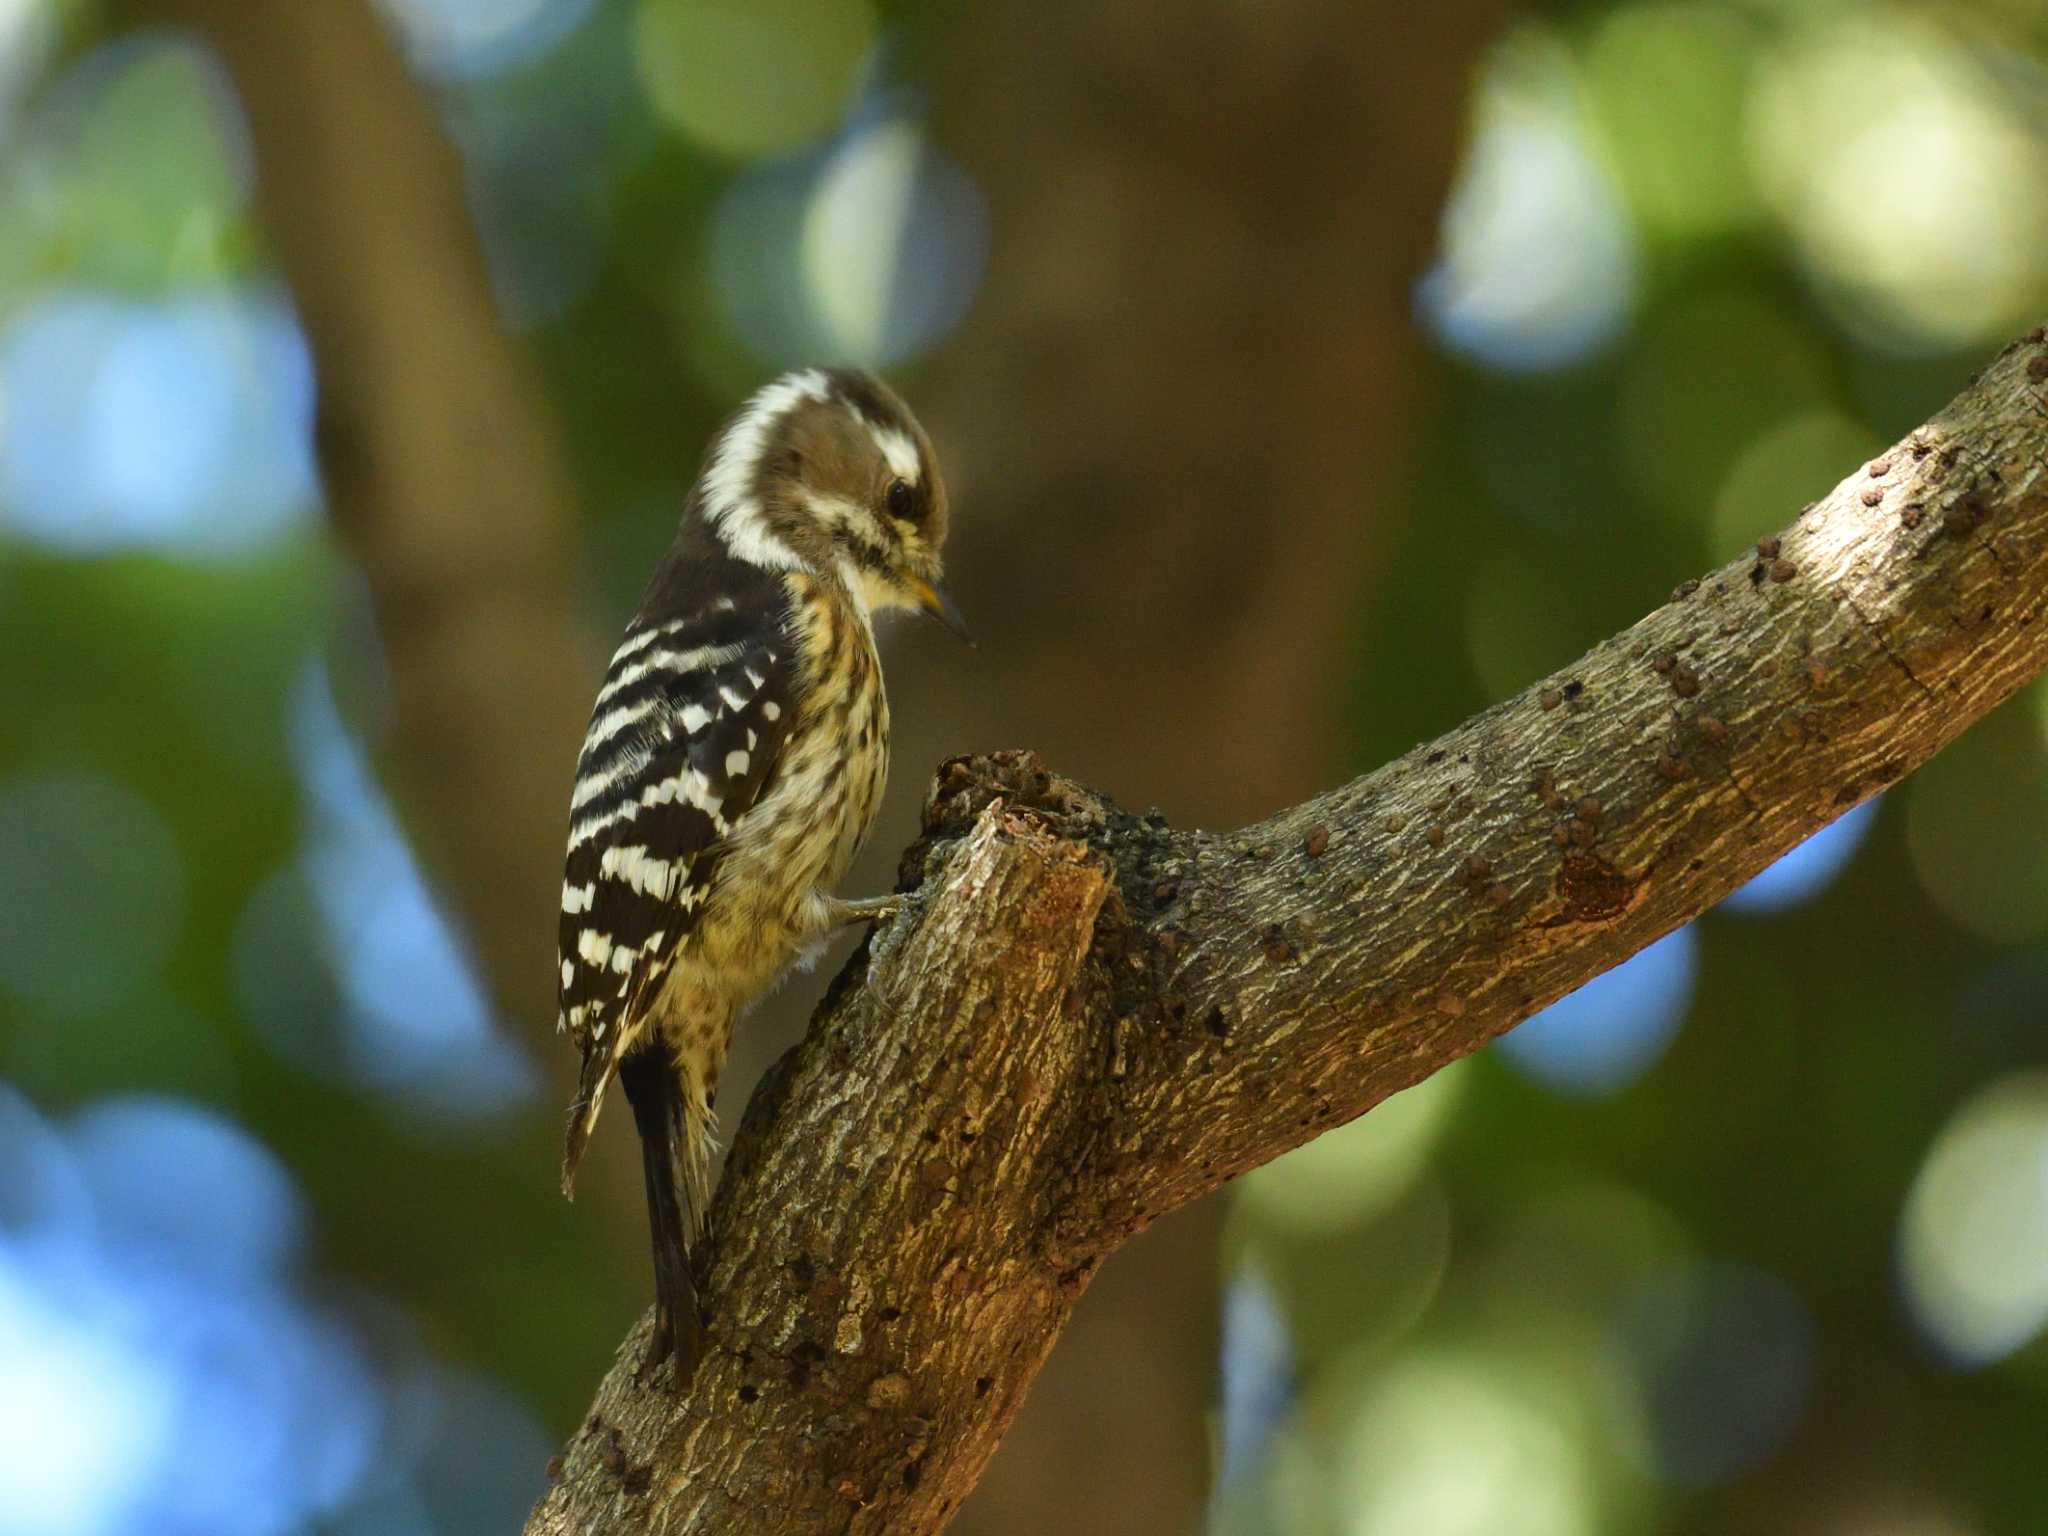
x,y
444,482
439,460
1162,425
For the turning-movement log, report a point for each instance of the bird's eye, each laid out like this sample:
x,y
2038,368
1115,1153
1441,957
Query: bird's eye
x,y
902,500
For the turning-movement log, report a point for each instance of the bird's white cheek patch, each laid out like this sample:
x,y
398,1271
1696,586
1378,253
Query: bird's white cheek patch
x,y
899,450
736,463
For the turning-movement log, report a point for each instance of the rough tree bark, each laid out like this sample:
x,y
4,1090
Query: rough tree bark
x,y
1086,1019
1161,197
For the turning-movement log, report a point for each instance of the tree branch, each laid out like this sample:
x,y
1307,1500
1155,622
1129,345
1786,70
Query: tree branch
x,y
1086,1019
1346,949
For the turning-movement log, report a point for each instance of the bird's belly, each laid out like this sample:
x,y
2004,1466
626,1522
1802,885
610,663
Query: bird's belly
x,y
797,841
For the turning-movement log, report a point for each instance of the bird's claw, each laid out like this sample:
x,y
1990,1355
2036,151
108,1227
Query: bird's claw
x,y
678,1346
871,909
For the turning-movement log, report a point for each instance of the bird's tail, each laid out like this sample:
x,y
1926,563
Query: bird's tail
x,y
694,1142
599,1067
659,1096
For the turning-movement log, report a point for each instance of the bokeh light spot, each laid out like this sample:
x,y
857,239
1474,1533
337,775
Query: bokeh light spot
x,y
1973,1240
1466,1445
1347,1174
183,426
142,162
893,244
1807,870
868,253
1603,1037
1257,1369
44,1188
28,32
1539,259
465,39
278,1413
188,1187
1669,83
751,77
1915,192
755,261
81,1429
162,1373
347,963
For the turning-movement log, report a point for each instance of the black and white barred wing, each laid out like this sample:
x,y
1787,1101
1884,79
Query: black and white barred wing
x,y
682,741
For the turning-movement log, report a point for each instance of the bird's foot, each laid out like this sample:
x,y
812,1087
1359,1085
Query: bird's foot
x,y
871,909
676,1343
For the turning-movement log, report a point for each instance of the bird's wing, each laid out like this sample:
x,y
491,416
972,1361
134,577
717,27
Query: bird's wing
x,y
682,741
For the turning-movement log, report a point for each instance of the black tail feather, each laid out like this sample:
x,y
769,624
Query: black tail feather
x,y
648,1075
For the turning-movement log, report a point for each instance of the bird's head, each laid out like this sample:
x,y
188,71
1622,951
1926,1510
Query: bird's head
x,y
827,468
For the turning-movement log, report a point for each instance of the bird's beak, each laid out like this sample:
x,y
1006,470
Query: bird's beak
x,y
935,600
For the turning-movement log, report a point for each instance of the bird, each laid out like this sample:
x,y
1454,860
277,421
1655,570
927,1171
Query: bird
x,y
733,765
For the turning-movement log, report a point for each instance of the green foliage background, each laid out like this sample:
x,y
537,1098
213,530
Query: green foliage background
x,y
1789,1275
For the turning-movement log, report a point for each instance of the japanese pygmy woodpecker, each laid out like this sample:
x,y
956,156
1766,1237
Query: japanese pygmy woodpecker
x,y
733,765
